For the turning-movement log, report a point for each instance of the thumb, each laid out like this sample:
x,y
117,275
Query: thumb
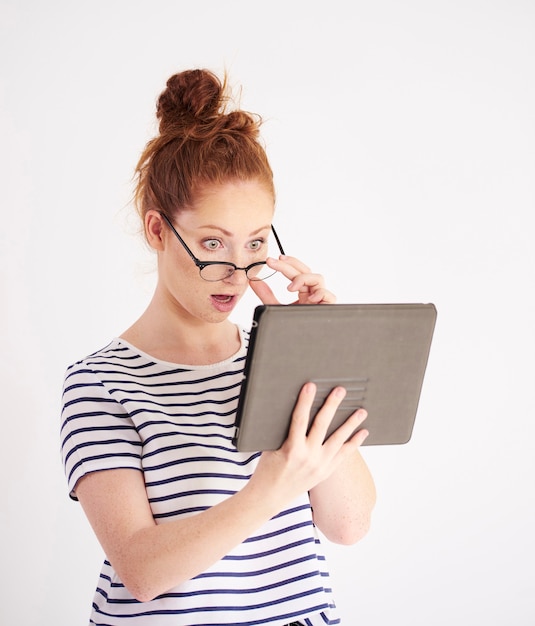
x,y
263,291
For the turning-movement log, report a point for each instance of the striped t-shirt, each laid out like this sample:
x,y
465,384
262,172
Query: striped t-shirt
x,y
175,423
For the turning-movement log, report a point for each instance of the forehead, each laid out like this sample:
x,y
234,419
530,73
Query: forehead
x,y
231,205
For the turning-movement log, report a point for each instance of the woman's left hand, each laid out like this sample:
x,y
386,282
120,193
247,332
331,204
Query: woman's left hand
x,y
310,288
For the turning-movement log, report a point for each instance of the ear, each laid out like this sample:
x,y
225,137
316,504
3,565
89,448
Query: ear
x,y
155,230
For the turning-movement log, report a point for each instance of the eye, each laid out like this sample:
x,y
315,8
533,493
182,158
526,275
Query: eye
x,y
212,244
256,244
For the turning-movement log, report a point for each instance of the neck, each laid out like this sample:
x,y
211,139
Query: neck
x,y
174,336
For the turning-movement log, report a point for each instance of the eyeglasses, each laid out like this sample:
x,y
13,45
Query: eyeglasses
x,y
213,271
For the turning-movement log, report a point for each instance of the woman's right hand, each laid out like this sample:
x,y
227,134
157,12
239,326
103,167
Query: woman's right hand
x,y
307,458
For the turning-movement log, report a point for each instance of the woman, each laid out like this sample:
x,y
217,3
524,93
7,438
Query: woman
x,y
194,531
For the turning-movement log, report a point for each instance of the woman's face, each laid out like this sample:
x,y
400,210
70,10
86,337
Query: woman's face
x,y
229,222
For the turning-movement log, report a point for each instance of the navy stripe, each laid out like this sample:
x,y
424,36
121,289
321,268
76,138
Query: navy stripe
x,y
176,424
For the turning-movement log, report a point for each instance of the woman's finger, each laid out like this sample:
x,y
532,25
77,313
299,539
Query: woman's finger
x,y
301,412
348,431
306,282
263,291
289,266
325,415
321,296
310,295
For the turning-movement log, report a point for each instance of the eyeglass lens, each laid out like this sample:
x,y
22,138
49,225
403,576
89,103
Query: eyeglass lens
x,y
220,271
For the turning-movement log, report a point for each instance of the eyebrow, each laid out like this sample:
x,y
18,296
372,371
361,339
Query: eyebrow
x,y
229,234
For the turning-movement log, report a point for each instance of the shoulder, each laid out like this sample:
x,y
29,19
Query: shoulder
x,y
116,357
113,351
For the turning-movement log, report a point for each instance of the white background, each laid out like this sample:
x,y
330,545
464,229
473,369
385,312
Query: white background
x,y
402,136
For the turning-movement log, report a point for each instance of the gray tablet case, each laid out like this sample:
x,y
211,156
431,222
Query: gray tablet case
x,y
378,352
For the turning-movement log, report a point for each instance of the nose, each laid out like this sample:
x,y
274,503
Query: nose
x,y
238,277
240,261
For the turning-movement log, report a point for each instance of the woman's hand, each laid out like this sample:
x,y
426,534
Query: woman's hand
x,y
307,458
310,288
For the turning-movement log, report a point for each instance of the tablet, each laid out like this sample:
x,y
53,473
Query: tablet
x,y
378,352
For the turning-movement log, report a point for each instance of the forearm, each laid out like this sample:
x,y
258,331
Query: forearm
x,y
156,558
343,503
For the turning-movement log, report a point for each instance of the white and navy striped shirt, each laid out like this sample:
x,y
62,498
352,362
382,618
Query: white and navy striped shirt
x,y
175,423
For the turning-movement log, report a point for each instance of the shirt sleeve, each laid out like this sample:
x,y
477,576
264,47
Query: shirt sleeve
x,y
96,431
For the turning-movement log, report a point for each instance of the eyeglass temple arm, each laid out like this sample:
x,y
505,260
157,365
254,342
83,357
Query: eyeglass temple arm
x,y
170,224
277,240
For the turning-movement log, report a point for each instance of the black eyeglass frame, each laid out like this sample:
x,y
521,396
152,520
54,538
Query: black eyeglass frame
x,y
202,264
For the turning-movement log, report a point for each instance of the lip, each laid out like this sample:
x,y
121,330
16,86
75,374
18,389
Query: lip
x,y
224,303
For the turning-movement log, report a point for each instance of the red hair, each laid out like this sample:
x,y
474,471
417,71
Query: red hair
x,y
199,145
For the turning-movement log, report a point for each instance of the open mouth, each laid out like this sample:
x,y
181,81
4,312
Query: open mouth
x,y
223,299
223,302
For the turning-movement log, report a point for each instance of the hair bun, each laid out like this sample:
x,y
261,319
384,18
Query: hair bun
x,y
190,97
243,122
205,139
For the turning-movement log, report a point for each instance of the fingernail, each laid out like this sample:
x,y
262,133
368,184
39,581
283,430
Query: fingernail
x,y
310,388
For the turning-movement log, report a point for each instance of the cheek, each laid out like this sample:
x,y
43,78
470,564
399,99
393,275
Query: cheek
x,y
177,271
